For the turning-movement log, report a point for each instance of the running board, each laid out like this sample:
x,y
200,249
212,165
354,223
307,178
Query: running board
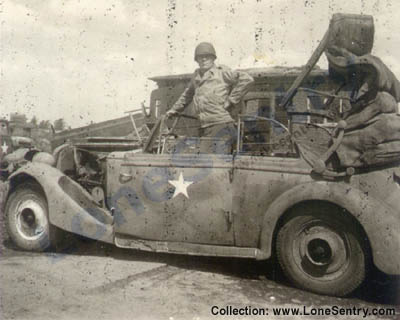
x,y
189,248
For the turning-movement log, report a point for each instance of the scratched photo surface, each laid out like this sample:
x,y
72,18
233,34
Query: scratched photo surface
x,y
171,159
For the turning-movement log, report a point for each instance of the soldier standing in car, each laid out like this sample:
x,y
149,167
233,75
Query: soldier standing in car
x,y
214,90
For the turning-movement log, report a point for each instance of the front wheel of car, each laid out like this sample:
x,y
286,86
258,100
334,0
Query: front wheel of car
x,y
27,219
322,252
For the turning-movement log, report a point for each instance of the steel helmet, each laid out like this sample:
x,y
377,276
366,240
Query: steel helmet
x,y
204,48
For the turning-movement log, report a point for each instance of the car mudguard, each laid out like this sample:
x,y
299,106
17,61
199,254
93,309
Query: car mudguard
x,y
70,206
380,222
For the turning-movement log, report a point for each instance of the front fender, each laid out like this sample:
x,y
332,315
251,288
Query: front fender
x,y
70,206
379,221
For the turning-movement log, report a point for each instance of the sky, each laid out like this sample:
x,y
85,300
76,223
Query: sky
x,y
90,60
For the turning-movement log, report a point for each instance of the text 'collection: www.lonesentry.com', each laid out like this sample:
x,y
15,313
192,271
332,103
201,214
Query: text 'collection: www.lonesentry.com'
x,y
358,312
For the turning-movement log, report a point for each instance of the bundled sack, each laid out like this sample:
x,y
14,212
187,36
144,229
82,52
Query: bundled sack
x,y
372,135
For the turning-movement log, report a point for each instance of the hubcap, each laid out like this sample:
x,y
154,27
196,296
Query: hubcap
x,y
320,251
31,220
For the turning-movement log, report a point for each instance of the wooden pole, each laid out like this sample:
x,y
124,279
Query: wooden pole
x,y
307,69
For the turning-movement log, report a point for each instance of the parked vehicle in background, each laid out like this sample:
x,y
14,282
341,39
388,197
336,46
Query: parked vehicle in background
x,y
10,158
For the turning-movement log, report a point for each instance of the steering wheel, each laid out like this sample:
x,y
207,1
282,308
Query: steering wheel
x,y
319,165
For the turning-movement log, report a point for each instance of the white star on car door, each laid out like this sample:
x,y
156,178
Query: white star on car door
x,y
180,186
4,148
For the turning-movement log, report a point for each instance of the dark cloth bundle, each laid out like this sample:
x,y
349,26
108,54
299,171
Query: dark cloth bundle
x,y
372,135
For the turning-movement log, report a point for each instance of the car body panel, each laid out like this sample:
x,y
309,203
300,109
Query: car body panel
x,y
70,206
187,248
258,181
380,221
148,207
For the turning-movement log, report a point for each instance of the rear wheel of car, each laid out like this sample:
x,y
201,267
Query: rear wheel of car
x,y
322,251
27,219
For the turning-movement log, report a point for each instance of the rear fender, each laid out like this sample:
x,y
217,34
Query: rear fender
x,y
380,223
71,207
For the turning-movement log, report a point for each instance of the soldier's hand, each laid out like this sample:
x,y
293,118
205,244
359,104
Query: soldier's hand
x,y
171,113
228,105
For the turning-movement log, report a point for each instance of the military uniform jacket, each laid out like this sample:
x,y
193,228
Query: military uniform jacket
x,y
210,92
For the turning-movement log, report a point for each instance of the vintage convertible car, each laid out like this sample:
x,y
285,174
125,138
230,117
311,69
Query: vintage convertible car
x,y
325,228
326,223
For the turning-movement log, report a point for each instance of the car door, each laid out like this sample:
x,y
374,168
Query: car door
x,y
264,179
176,197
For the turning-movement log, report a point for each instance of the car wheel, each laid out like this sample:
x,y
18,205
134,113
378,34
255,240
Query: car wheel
x,y
322,252
27,219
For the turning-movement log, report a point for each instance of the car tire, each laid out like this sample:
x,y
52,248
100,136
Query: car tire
x,y
322,252
27,219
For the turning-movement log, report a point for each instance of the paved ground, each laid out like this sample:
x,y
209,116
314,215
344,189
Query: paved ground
x,y
90,280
